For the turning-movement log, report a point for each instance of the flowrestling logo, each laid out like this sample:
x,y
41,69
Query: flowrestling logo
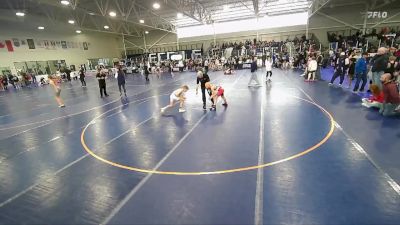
x,y
377,15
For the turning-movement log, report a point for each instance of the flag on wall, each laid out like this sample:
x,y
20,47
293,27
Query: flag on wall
x,y
7,44
31,43
46,44
16,42
85,46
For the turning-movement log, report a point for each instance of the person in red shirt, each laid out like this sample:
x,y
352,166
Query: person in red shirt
x,y
375,100
215,92
392,97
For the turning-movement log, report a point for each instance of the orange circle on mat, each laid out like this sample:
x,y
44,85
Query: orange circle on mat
x,y
183,173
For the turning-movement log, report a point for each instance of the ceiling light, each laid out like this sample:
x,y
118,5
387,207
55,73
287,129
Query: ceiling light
x,y
78,31
156,5
179,15
20,14
141,21
65,2
40,28
226,7
112,13
146,32
106,27
71,21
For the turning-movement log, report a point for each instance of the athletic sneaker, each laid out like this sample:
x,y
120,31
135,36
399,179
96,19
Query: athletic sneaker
x,y
204,107
162,110
61,106
225,104
365,105
182,110
340,85
330,84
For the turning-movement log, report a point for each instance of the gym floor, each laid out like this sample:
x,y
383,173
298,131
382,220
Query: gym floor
x,y
288,152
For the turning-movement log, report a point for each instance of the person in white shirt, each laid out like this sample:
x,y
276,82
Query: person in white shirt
x,y
268,68
177,96
206,65
311,69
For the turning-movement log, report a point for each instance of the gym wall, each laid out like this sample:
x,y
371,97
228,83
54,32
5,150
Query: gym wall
x,y
54,44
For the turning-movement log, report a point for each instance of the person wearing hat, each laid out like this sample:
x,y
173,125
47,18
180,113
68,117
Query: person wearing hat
x,y
341,66
202,79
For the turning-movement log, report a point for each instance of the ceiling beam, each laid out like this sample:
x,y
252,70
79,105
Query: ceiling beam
x,y
104,5
316,6
193,9
387,2
338,20
255,6
247,7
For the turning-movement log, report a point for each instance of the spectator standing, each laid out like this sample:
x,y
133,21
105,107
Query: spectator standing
x,y
379,64
311,69
121,81
392,65
268,68
341,66
254,73
147,72
101,78
320,59
352,68
360,71
82,77
68,74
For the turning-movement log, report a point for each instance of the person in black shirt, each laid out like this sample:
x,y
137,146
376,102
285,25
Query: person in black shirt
x,y
352,70
121,80
82,77
101,78
202,79
146,71
68,73
254,73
